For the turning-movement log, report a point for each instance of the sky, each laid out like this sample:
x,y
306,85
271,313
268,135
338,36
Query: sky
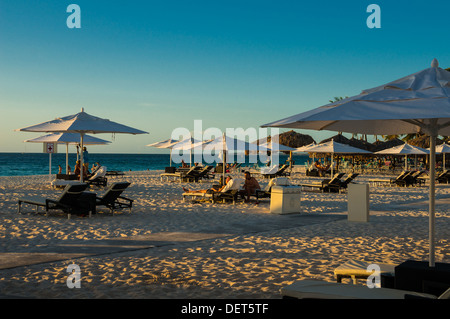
x,y
160,65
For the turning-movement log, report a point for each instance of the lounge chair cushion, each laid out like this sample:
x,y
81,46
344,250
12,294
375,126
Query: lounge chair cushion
x,y
233,184
316,289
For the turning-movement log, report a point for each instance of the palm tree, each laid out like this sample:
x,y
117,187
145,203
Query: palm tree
x,y
390,137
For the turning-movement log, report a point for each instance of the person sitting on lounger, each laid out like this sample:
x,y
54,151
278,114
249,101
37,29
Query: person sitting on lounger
x,y
322,169
183,164
250,185
210,190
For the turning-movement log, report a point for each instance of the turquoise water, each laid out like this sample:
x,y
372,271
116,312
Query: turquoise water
x,y
22,164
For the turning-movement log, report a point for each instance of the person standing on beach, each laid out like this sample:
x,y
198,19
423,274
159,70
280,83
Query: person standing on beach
x,y
85,156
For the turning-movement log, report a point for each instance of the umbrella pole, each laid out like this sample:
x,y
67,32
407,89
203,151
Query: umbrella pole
x,y
67,158
81,158
432,199
50,166
224,158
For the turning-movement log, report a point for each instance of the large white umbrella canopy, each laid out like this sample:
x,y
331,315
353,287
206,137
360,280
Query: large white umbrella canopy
x,y
404,149
169,143
305,147
335,147
443,148
276,147
419,102
332,147
225,144
82,123
67,138
186,144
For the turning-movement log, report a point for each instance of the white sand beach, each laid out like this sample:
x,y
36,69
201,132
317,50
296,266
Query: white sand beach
x,y
167,248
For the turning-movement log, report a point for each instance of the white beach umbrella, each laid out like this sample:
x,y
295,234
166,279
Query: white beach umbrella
x,y
305,148
187,144
419,102
226,144
276,147
67,138
82,123
169,143
332,147
404,149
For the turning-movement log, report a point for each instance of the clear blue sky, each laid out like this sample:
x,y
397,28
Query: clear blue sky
x,y
159,65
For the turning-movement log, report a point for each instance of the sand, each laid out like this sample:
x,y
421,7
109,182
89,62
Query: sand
x,y
167,248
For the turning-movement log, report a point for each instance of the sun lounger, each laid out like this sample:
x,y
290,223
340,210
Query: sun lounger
x,y
230,192
188,175
203,172
339,185
266,191
322,186
113,199
399,180
356,269
98,178
279,171
69,201
443,177
316,289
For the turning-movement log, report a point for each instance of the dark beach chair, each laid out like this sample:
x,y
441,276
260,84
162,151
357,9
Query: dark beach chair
x,y
338,185
414,179
233,193
443,177
266,192
184,175
400,179
113,199
203,173
230,195
98,177
336,180
280,172
70,201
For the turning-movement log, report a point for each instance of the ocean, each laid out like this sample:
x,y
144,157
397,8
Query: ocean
x,y
24,164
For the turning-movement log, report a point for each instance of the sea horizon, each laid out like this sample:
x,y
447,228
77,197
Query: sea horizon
x,y
30,163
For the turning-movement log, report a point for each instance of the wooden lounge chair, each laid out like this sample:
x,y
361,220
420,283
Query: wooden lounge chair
x,y
266,192
113,199
280,172
400,179
70,201
203,173
322,186
340,185
230,192
98,177
443,177
185,175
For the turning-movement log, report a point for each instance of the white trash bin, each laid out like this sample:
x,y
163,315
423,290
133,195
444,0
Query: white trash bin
x,y
285,199
358,202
